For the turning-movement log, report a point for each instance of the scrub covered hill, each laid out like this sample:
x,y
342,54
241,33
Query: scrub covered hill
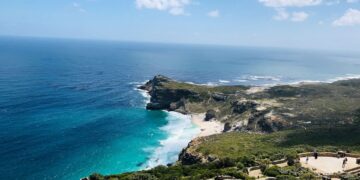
x,y
261,125
259,109
233,152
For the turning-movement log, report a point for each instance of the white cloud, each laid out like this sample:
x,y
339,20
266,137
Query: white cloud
x,y
174,7
282,14
350,18
352,1
290,3
280,7
299,16
78,7
214,13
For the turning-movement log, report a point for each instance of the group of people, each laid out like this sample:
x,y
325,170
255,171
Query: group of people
x,y
316,154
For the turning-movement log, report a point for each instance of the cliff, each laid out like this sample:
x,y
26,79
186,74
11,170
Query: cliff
x,y
245,108
262,125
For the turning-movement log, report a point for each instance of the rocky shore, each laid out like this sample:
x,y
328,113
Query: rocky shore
x,y
240,108
255,124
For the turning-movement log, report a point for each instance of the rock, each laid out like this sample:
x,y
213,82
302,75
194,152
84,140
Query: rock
x,y
227,127
165,97
187,158
242,106
210,114
211,158
177,106
219,97
155,106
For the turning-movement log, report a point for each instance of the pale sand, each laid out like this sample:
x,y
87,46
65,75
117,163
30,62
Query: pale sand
x,y
207,128
328,165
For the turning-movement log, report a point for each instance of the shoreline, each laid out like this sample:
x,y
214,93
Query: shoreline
x,y
207,128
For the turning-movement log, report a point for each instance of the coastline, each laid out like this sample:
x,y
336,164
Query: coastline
x,y
207,128
182,128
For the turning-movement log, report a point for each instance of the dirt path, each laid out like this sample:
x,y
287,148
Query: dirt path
x,y
328,165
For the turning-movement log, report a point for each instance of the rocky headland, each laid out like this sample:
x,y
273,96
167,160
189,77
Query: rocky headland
x,y
280,120
271,109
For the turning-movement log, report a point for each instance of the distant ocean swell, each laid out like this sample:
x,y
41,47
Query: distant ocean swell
x,y
264,80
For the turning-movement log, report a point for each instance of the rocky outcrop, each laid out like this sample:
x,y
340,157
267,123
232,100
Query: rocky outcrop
x,y
210,114
164,97
227,127
276,108
219,97
189,156
243,105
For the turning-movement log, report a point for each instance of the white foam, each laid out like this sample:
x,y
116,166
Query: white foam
x,y
224,81
340,78
137,83
180,132
145,94
258,78
346,77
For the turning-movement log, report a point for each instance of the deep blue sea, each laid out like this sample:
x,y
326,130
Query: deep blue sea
x,y
69,108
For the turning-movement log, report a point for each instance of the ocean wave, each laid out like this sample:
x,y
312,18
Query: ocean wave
x,y
331,80
137,83
345,77
247,78
145,94
224,81
180,132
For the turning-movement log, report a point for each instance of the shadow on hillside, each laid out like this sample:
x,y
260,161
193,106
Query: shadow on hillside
x,y
344,136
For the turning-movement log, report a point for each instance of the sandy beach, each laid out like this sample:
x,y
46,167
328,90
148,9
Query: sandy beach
x,y
207,128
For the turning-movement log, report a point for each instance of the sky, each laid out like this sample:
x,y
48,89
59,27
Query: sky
x,y
310,24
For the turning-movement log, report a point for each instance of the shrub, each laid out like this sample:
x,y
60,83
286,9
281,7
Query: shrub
x,y
233,172
248,161
240,165
226,162
272,171
308,176
285,177
291,158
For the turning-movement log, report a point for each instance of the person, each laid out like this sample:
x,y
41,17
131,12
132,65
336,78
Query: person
x,y
315,154
344,162
307,159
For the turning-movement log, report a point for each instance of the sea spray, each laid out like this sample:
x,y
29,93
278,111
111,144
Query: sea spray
x,y
180,132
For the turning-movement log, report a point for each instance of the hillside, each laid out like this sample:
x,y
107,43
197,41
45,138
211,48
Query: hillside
x,y
262,125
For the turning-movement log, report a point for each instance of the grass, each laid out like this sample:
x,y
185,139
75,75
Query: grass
x,y
236,151
276,145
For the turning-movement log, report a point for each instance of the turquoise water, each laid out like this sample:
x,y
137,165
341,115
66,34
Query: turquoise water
x,y
69,107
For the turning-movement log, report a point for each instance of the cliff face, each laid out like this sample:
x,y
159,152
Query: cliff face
x,y
330,113
243,108
165,98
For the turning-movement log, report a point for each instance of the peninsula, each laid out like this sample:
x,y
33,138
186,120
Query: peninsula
x,y
245,127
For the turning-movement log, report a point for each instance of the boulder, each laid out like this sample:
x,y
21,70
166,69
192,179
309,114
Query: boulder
x,y
210,114
227,127
219,96
243,105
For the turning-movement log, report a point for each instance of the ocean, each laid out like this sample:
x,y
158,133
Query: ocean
x,y
69,108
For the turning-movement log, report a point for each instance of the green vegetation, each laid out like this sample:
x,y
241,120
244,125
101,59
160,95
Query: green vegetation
x,y
279,145
297,119
189,172
235,151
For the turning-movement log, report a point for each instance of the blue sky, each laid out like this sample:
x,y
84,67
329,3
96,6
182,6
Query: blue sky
x,y
320,24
